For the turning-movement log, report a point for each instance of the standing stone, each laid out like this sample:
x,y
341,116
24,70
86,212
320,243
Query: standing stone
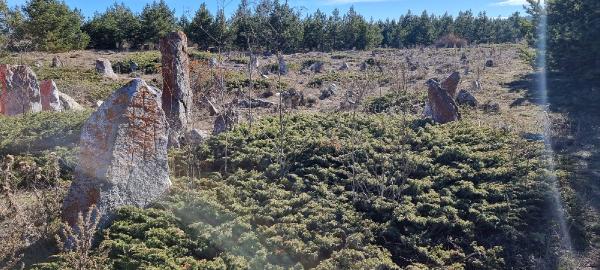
x,y
177,93
104,67
123,155
49,96
450,84
283,68
56,62
443,107
19,90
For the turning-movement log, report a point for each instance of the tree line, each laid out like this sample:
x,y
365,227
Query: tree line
x,y
268,25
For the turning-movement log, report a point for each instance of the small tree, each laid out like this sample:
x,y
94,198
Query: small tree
x,y
112,29
157,20
200,30
53,26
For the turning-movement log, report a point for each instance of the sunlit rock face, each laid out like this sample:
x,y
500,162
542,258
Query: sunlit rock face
x,y
19,90
443,106
123,154
450,84
177,93
49,96
104,68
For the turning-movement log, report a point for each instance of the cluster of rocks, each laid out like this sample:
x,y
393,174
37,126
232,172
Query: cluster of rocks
x,y
443,99
21,93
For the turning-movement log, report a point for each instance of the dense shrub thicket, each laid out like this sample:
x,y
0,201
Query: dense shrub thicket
x,y
343,191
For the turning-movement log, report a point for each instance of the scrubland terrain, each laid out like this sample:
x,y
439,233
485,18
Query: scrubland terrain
x,y
328,184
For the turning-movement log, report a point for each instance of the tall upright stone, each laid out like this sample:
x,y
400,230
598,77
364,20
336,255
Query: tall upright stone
x,y
450,84
50,96
104,68
443,107
123,154
177,94
19,90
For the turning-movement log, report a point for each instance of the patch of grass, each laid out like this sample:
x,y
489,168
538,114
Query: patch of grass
x,y
82,84
148,63
40,131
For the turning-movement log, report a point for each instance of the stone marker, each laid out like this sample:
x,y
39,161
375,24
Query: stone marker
x,y
68,103
177,93
19,90
283,68
443,107
104,67
123,155
56,62
49,96
450,84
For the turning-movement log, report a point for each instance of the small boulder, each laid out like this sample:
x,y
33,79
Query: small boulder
x,y
317,67
104,68
225,121
68,103
39,63
56,62
328,92
123,155
292,98
466,98
49,96
344,66
491,107
255,103
489,63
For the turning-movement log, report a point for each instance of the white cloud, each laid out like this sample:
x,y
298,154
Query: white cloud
x,y
512,3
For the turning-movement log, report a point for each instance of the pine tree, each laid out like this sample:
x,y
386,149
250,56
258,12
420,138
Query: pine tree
x,y
157,20
112,29
53,26
200,30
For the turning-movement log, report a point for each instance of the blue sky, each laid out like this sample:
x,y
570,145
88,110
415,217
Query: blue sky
x,y
377,9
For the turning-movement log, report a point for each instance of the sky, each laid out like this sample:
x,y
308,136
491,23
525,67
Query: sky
x,y
376,9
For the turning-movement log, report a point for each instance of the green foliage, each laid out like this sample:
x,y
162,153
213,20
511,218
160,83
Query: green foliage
x,y
157,20
113,28
40,131
573,43
392,102
53,26
78,82
350,192
147,62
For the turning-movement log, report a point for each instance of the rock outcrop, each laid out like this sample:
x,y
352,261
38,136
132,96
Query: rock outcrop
x,y
123,155
177,94
104,68
443,107
450,84
19,90
49,96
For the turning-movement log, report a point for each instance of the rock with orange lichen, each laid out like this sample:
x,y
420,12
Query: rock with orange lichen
x,y
177,93
19,90
50,96
123,154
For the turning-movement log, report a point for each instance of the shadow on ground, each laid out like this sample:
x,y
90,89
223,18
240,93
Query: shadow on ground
x,y
576,142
